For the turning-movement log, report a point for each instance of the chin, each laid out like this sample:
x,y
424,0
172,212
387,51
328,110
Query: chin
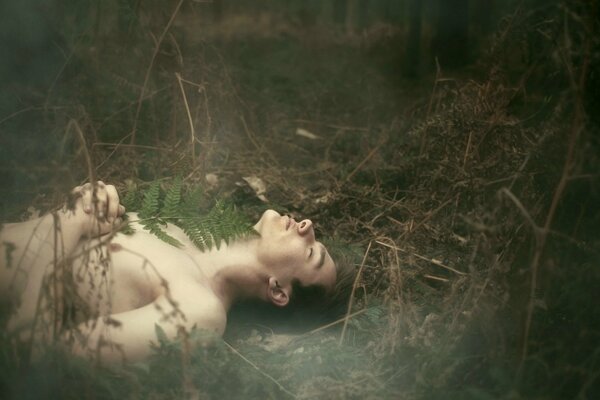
x,y
267,216
270,215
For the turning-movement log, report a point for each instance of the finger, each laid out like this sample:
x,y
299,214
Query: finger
x,y
101,201
121,210
86,198
113,202
73,197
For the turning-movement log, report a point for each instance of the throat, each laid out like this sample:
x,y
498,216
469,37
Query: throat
x,y
234,273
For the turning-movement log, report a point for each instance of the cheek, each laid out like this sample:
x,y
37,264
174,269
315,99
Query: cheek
x,y
281,254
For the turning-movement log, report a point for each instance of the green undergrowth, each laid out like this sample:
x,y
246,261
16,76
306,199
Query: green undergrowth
x,y
300,366
156,207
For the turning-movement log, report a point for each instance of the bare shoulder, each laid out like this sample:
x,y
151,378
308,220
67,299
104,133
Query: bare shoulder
x,y
200,307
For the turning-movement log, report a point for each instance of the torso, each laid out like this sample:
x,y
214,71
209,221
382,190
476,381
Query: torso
x,y
131,271
113,276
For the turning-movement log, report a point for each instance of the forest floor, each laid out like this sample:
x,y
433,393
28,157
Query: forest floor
x,y
477,271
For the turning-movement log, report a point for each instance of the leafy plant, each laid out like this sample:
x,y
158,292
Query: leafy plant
x,y
222,222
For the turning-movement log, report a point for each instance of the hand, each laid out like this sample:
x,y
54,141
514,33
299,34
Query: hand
x,y
96,208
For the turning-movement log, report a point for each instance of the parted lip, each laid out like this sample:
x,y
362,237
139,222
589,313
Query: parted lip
x,y
289,222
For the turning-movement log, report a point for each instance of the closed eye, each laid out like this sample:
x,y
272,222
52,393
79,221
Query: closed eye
x,y
310,253
322,258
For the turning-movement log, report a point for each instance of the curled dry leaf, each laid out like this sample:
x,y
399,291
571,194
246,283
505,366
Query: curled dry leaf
x,y
258,185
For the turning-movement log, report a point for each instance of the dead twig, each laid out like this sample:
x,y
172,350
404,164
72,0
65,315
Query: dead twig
x,y
263,373
334,323
578,85
149,70
536,229
255,143
88,159
135,146
427,218
362,163
189,115
332,126
436,278
431,260
351,301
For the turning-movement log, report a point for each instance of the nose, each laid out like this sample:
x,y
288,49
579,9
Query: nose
x,y
305,227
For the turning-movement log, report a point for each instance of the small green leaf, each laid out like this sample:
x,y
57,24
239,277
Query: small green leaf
x,y
161,335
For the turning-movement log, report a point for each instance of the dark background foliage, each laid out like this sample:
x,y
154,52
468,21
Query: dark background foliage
x,y
455,143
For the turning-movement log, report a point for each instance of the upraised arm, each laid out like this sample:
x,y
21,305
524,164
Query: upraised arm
x,y
92,211
31,251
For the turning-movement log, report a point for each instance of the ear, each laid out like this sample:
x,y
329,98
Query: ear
x,y
280,296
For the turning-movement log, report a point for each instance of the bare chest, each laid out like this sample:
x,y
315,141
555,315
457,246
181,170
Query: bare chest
x,y
130,272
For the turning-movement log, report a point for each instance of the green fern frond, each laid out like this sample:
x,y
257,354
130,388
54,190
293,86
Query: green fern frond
x,y
131,200
221,223
170,208
195,229
191,201
155,229
216,228
227,223
150,202
165,237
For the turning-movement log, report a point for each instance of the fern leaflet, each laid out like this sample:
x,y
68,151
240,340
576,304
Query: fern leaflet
x,y
170,207
222,222
150,202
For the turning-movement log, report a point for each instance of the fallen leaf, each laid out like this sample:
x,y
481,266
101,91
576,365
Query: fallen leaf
x,y
306,134
212,179
258,185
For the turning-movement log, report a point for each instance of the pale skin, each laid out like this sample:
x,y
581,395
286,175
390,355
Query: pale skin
x,y
129,283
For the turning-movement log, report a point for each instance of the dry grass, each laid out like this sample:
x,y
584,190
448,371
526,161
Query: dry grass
x,y
461,200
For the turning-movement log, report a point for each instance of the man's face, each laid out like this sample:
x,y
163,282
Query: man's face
x,y
290,248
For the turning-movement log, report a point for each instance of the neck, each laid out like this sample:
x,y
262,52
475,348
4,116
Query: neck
x,y
233,272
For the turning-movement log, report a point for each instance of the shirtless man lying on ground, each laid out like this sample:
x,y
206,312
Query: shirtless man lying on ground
x,y
129,283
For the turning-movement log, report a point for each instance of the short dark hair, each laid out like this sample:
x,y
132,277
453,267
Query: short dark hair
x,y
330,303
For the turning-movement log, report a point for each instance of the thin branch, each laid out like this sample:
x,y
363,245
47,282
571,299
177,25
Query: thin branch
x,y
136,146
60,72
577,126
189,115
431,260
436,278
334,323
269,377
19,112
363,162
88,159
351,301
427,218
149,70
252,139
524,212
